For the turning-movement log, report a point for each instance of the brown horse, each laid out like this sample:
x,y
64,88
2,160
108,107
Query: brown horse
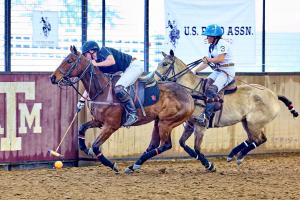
x,y
175,105
253,105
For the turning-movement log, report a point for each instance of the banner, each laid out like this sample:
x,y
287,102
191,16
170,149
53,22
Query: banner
x,y
45,29
186,20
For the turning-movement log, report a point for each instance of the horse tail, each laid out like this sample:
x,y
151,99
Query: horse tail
x,y
288,104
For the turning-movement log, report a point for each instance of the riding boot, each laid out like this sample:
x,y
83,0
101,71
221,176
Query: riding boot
x,y
127,103
204,117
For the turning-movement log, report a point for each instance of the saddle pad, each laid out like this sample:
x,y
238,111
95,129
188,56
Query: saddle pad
x,y
147,96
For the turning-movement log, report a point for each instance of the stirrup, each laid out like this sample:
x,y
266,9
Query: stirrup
x,y
131,119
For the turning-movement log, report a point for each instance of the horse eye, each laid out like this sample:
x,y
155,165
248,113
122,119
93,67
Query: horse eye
x,y
69,61
165,64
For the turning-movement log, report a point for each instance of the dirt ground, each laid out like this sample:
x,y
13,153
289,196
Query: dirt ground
x,y
272,176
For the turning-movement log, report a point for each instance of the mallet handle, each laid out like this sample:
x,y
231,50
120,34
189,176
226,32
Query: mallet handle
x,y
67,131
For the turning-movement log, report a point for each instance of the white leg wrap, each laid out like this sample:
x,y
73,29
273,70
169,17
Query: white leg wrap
x,y
91,152
136,167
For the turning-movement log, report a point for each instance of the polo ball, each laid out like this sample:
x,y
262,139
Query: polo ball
x,y
58,165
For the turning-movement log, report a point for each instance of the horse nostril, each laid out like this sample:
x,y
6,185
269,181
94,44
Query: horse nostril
x,y
53,79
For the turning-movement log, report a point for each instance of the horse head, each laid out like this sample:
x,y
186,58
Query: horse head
x,y
174,69
170,67
165,68
74,65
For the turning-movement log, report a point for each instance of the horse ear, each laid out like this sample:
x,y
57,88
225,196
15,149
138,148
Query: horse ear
x,y
164,54
172,53
75,50
71,48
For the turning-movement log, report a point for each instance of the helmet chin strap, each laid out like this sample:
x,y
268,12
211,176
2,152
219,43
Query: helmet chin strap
x,y
216,40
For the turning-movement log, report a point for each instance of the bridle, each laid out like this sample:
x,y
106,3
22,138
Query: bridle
x,y
67,81
165,75
171,70
174,77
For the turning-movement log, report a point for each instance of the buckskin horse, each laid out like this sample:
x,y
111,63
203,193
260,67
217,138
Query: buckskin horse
x,y
252,104
173,106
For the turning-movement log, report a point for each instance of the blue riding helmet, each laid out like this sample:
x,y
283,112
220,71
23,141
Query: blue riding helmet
x,y
89,45
213,30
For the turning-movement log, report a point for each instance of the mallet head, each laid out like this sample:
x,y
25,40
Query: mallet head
x,y
54,153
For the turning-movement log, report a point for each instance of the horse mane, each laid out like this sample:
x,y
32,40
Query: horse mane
x,y
189,76
181,64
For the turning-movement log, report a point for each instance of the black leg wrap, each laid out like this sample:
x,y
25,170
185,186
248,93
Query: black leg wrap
x,y
151,147
246,150
81,139
237,149
202,159
190,151
102,158
82,130
153,153
105,161
82,145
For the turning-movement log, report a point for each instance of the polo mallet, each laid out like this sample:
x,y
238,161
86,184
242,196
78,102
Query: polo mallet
x,y
55,153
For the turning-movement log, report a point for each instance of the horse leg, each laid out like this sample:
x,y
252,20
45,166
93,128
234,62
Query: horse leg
x,y
241,146
236,150
155,139
166,144
188,130
81,135
256,137
106,132
199,133
259,138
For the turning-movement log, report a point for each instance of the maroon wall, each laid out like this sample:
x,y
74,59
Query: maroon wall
x,y
34,115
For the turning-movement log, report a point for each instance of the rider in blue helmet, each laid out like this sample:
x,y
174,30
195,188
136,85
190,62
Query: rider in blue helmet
x,y
213,30
220,57
110,60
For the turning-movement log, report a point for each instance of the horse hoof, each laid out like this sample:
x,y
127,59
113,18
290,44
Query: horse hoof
x,y
239,161
129,170
132,168
229,159
211,167
116,168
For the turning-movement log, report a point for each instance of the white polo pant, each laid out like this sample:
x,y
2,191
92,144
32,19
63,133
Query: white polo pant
x,y
131,74
222,79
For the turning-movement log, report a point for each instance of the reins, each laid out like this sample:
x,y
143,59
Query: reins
x,y
89,68
189,67
164,77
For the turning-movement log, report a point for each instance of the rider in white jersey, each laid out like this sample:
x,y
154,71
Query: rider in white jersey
x,y
220,55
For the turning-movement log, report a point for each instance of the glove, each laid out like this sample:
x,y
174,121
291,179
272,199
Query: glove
x,y
80,105
204,60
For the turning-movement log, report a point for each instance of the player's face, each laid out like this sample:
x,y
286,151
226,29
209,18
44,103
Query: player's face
x,y
91,55
210,39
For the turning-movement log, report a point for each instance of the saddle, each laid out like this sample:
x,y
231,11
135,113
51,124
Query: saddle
x,y
144,91
229,89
